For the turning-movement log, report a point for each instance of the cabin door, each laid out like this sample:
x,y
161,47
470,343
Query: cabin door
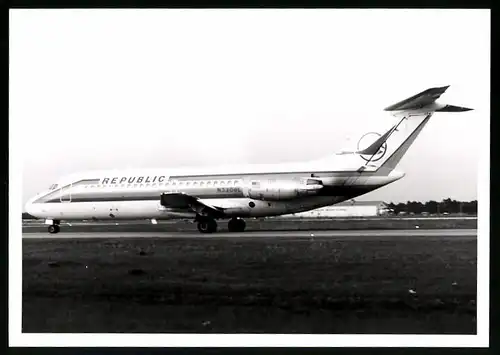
x,y
65,193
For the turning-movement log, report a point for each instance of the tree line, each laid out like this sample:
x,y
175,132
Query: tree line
x,y
434,207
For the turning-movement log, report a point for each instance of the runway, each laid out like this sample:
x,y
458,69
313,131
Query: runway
x,y
38,222
335,234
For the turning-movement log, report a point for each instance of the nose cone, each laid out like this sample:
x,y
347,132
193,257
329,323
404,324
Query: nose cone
x,y
30,207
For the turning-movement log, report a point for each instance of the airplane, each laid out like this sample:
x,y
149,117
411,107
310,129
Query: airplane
x,y
237,192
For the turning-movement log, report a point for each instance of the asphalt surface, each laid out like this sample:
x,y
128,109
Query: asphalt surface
x,y
35,223
338,234
283,226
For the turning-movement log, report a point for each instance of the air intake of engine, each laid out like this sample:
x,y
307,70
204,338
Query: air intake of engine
x,y
314,182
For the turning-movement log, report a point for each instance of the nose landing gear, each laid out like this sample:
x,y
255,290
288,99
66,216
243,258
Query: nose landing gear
x,y
54,227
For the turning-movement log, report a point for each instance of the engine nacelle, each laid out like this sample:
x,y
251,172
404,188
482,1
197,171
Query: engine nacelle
x,y
277,190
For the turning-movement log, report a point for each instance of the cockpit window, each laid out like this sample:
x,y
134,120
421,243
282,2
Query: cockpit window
x,y
77,183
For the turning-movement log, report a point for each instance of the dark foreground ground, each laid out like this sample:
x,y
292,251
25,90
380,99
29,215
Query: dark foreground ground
x,y
218,284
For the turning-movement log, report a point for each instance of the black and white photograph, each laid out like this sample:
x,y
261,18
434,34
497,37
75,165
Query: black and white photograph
x,y
249,177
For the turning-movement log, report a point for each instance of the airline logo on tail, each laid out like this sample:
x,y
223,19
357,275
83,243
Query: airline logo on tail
x,y
366,141
372,146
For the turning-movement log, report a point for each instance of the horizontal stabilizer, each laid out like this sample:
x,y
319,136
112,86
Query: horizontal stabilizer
x,y
451,108
425,98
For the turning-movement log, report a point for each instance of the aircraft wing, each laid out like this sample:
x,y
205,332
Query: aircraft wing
x,y
426,98
187,202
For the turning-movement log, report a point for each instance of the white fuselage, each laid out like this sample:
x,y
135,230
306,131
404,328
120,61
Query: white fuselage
x,y
136,194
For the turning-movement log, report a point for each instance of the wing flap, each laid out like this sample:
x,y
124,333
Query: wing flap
x,y
177,200
188,202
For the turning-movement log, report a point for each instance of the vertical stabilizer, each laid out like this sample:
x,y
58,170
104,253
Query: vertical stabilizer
x,y
385,149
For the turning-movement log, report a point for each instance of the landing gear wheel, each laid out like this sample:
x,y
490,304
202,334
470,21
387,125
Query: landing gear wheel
x,y
207,225
236,225
54,228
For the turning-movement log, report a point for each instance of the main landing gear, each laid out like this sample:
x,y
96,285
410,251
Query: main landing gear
x,y
236,225
54,227
209,225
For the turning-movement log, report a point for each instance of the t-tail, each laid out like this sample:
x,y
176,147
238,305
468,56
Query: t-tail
x,y
384,150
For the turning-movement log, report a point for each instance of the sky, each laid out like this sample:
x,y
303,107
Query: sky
x,y
111,89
